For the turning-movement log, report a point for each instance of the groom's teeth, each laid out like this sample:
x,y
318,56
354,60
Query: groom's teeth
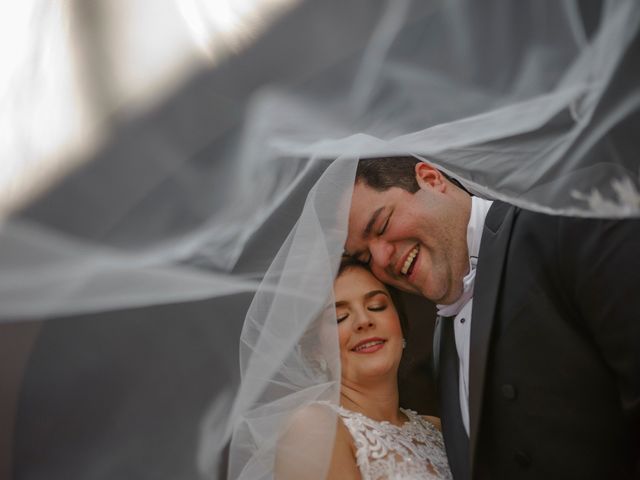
x,y
409,260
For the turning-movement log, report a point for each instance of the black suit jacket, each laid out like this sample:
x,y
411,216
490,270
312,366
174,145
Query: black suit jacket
x,y
554,385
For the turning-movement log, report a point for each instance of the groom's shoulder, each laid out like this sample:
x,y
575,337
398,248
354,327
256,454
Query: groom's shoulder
x,y
522,217
562,229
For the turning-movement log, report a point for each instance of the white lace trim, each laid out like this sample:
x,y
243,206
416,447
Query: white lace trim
x,y
385,451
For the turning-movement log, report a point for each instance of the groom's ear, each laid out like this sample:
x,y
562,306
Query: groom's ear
x,y
429,177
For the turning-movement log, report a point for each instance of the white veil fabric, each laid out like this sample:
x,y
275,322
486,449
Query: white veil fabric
x,y
167,303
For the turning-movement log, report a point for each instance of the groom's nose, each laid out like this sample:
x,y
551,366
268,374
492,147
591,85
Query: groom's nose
x,y
381,253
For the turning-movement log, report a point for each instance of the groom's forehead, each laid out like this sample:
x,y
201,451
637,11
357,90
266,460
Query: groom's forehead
x,y
366,200
363,194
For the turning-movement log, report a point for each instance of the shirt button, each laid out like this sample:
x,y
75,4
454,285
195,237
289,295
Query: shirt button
x,y
509,391
522,459
462,320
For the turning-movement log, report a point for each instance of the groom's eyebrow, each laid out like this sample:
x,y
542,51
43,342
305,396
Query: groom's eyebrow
x,y
366,232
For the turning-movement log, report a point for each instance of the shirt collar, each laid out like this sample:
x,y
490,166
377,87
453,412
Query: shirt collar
x,y
479,209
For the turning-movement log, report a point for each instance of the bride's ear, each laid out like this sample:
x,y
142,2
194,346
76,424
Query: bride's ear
x,y
429,176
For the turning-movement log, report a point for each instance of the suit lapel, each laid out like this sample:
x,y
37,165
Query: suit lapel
x,y
493,249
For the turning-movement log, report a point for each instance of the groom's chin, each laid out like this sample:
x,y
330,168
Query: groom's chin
x,y
448,297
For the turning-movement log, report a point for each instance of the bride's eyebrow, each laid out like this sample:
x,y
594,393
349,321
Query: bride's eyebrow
x,y
368,295
373,293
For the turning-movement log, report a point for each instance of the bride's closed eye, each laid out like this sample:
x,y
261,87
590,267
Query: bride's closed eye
x,y
372,308
377,308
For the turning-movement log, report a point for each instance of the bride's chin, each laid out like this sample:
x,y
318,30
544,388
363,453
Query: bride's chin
x,y
375,374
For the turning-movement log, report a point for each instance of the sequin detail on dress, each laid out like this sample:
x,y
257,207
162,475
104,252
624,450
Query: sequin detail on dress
x,y
414,451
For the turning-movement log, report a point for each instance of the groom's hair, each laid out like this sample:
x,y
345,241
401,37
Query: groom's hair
x,y
382,173
347,262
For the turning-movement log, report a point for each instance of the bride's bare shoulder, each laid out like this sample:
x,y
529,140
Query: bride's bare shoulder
x,y
313,436
311,413
316,420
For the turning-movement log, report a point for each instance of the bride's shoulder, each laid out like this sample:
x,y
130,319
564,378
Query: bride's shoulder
x,y
314,417
315,428
312,413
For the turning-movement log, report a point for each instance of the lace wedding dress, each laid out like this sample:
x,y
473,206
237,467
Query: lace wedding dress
x,y
413,451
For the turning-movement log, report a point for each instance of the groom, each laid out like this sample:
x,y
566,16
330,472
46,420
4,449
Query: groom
x,y
539,336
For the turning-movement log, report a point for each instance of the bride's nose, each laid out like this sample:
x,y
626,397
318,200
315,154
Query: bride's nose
x,y
363,321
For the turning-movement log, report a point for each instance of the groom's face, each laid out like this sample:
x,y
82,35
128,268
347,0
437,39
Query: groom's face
x,y
414,241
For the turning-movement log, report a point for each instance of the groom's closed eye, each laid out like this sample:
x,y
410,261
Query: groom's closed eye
x,y
372,221
385,225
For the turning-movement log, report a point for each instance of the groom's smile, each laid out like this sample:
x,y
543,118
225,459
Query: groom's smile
x,y
408,265
413,241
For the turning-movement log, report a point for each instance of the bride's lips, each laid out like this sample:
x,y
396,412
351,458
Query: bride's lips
x,y
369,345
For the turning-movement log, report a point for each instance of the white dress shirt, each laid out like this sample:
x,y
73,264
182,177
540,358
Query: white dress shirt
x,y
462,307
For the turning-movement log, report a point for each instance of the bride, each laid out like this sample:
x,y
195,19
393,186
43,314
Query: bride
x,y
374,437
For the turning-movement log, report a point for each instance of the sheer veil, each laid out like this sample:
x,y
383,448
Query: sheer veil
x,y
170,297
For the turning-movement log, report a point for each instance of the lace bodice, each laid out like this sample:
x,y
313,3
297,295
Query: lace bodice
x,y
384,451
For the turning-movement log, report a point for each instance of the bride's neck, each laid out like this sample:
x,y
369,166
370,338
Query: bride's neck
x,y
378,400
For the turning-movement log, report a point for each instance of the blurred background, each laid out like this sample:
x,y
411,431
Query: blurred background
x,y
72,69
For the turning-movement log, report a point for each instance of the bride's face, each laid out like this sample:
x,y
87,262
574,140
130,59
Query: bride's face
x,y
369,329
